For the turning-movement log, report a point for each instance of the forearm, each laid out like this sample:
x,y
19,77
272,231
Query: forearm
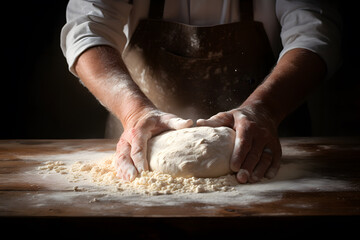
x,y
103,72
297,73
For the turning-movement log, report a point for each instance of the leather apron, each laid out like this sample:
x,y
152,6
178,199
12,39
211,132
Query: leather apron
x,y
196,72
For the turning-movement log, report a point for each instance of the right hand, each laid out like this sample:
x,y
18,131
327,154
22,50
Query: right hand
x,y
257,150
131,150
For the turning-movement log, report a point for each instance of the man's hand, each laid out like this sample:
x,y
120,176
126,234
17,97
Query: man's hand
x,y
106,76
257,150
131,150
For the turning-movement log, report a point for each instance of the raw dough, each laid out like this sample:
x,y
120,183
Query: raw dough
x,y
192,152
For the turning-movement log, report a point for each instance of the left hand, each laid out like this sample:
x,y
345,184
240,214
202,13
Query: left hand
x,y
131,150
257,150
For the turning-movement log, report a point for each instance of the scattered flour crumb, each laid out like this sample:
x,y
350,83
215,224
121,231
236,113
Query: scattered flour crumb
x,y
102,172
54,166
93,200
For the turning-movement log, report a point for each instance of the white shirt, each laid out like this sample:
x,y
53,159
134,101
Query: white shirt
x,y
289,24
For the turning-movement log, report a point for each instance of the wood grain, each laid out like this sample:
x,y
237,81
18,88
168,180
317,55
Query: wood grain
x,y
24,194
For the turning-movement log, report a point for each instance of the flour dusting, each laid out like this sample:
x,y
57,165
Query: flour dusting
x,y
92,173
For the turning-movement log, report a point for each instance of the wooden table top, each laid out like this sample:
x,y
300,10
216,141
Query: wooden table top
x,y
320,177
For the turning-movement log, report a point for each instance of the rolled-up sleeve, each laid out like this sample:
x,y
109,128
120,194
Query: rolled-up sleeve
x,y
312,25
91,23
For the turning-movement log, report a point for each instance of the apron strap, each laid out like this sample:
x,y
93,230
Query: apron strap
x,y
246,10
156,10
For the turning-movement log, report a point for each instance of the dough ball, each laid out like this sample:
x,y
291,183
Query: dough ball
x,y
192,152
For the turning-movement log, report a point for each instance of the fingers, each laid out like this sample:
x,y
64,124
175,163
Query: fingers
x,y
276,161
269,163
218,120
131,154
256,153
139,151
242,146
250,161
124,165
261,167
209,122
260,162
178,123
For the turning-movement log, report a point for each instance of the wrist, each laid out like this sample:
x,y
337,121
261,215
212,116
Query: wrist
x,y
262,112
296,74
130,112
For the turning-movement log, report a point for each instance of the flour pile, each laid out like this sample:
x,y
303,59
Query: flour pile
x,y
103,173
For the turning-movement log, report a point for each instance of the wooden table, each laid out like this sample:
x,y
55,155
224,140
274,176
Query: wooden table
x,y
324,197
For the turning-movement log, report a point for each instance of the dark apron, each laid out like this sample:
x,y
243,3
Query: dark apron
x,y
196,72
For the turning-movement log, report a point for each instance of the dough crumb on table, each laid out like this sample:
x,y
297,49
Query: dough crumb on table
x,y
57,166
103,173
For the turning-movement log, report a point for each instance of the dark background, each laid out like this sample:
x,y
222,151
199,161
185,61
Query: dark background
x,y
41,99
